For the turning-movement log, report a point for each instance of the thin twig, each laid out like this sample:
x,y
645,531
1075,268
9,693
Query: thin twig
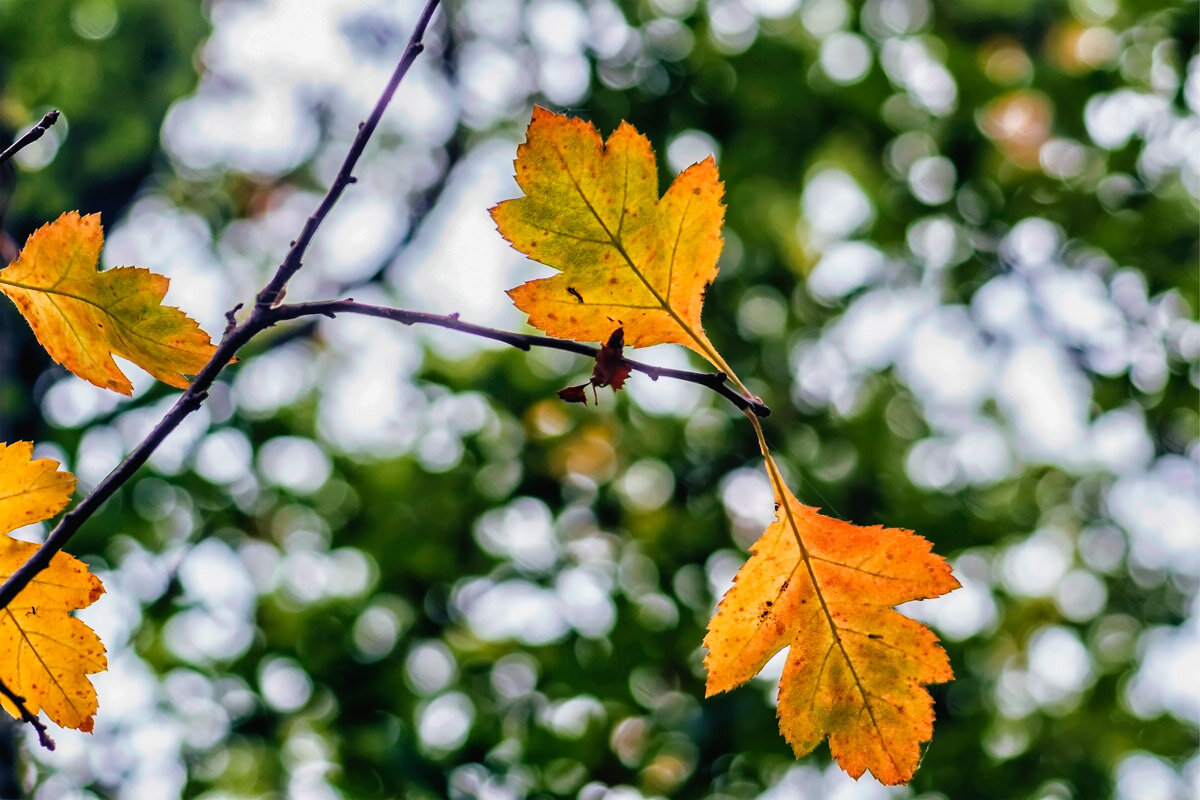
x,y
522,341
28,716
31,136
187,402
233,340
272,293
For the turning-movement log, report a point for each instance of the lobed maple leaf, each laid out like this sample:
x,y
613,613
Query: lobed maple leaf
x,y
857,668
591,210
82,317
45,653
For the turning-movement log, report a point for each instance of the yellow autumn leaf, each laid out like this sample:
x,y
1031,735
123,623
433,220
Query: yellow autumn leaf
x,y
30,491
857,668
45,653
626,258
82,317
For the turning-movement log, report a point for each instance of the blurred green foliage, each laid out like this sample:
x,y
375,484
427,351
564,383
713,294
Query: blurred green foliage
x,y
625,707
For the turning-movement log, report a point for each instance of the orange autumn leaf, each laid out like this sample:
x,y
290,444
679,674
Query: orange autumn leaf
x,y
625,257
45,653
82,317
856,669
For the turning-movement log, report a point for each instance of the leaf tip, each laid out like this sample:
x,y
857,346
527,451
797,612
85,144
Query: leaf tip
x,y
712,685
540,117
97,589
119,385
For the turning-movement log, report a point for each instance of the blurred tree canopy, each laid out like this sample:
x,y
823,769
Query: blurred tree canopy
x,y
960,266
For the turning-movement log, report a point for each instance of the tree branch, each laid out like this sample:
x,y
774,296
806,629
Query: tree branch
x,y
31,136
272,293
713,380
267,312
28,716
235,337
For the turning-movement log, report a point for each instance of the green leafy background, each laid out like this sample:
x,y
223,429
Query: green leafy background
x,y
491,594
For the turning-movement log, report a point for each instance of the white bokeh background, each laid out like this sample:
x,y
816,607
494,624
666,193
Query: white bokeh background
x,y
1002,379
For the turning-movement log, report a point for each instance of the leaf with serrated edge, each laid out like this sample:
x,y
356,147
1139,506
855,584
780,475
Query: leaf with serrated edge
x,y
45,653
857,668
30,491
82,317
591,210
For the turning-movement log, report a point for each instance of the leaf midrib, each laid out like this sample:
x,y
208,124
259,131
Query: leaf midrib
x,y
807,559
53,290
702,343
23,491
125,328
49,672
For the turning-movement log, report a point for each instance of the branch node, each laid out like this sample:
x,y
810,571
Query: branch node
x,y
652,372
231,319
